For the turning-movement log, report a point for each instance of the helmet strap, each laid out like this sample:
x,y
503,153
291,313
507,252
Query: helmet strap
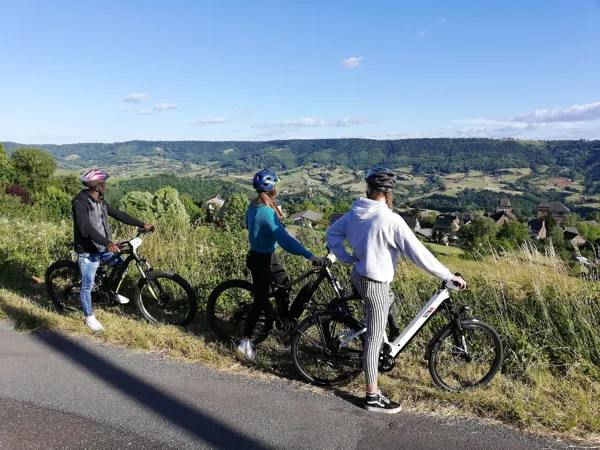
x,y
97,191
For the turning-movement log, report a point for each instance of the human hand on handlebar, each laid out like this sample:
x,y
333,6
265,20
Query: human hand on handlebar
x,y
459,282
318,261
148,227
113,248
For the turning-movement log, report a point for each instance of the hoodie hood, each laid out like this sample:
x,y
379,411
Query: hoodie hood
x,y
85,196
365,208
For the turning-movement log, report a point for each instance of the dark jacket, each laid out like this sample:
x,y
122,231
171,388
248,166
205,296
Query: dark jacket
x,y
90,222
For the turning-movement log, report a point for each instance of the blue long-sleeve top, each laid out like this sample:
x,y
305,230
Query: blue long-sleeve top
x,y
265,231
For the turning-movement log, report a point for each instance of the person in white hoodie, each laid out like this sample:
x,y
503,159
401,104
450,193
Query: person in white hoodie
x,y
376,235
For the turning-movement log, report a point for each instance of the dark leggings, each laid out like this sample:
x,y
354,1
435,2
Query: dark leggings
x,y
266,268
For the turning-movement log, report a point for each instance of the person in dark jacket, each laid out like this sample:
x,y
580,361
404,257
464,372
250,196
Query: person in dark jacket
x,y
93,237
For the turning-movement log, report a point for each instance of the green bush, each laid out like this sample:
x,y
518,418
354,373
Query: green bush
x,y
53,204
28,249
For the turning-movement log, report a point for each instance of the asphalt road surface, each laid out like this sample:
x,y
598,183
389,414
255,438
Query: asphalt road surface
x,y
59,392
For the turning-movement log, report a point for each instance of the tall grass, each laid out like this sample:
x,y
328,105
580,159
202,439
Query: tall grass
x,y
548,317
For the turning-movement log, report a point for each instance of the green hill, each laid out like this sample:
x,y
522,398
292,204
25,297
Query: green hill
x,y
423,155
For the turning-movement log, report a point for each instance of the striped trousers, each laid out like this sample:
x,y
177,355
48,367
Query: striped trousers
x,y
378,298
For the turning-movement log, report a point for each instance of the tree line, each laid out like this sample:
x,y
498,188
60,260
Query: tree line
x,y
426,156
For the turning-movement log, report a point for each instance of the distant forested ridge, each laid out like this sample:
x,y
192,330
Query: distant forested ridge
x,y
424,155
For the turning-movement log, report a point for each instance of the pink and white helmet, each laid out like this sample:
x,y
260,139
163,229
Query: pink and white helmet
x,y
93,177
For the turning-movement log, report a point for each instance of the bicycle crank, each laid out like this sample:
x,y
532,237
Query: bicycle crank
x,y
386,363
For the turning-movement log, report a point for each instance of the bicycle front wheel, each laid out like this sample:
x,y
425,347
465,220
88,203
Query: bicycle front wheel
x,y
166,298
465,359
327,349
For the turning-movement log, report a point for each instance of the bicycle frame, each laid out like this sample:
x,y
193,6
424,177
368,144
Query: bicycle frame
x,y
419,321
133,256
413,327
324,274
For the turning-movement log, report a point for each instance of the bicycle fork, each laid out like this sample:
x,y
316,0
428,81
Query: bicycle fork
x,y
143,275
459,338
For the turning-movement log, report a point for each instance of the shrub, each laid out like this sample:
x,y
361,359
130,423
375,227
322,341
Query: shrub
x,y
29,250
17,191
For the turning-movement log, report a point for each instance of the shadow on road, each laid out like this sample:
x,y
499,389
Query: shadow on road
x,y
196,423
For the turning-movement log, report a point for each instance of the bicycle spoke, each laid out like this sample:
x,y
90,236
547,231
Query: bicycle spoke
x,y
165,300
464,366
317,351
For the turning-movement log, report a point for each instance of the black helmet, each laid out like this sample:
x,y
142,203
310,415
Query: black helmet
x,y
381,179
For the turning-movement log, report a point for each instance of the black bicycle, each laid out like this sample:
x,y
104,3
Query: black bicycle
x,y
160,296
327,347
230,302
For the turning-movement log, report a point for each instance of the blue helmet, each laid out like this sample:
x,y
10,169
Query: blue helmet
x,y
265,180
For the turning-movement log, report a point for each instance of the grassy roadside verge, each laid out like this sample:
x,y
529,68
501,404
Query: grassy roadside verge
x,y
549,320
568,406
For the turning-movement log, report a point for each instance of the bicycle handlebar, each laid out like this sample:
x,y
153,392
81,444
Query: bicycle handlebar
x,y
140,232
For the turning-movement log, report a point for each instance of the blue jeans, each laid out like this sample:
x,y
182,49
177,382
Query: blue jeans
x,y
88,265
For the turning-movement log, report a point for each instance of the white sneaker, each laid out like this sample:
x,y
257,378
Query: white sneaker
x,y
121,300
246,348
93,323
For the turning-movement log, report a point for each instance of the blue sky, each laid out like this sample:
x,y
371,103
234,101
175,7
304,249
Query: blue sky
x,y
74,71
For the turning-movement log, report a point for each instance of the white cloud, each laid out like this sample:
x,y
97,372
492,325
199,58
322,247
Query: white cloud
x,y
398,136
349,121
422,33
311,123
137,98
443,20
575,113
352,62
269,133
124,110
204,122
146,112
164,106
573,122
243,111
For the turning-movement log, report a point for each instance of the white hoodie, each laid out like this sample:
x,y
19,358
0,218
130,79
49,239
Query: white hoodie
x,y
376,235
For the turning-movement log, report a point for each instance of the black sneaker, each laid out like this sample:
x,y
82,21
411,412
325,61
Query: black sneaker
x,y
380,403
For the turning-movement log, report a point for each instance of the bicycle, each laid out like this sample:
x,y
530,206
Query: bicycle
x,y
160,296
230,302
333,344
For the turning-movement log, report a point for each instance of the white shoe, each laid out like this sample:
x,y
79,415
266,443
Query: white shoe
x,y
121,300
246,348
93,323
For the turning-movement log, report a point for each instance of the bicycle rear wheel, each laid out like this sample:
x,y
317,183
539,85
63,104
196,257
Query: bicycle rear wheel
x,y
63,283
227,310
318,353
165,297
468,359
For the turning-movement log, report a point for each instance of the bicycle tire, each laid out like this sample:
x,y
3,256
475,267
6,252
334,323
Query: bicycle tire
x,y
217,324
350,325
187,307
57,299
445,333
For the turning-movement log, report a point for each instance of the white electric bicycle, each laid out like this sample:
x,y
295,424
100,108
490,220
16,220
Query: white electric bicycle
x,y
327,347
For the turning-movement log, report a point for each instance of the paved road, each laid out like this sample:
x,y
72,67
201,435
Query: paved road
x,y
58,392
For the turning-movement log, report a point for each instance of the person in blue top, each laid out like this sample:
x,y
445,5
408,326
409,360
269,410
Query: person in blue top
x,y
265,231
